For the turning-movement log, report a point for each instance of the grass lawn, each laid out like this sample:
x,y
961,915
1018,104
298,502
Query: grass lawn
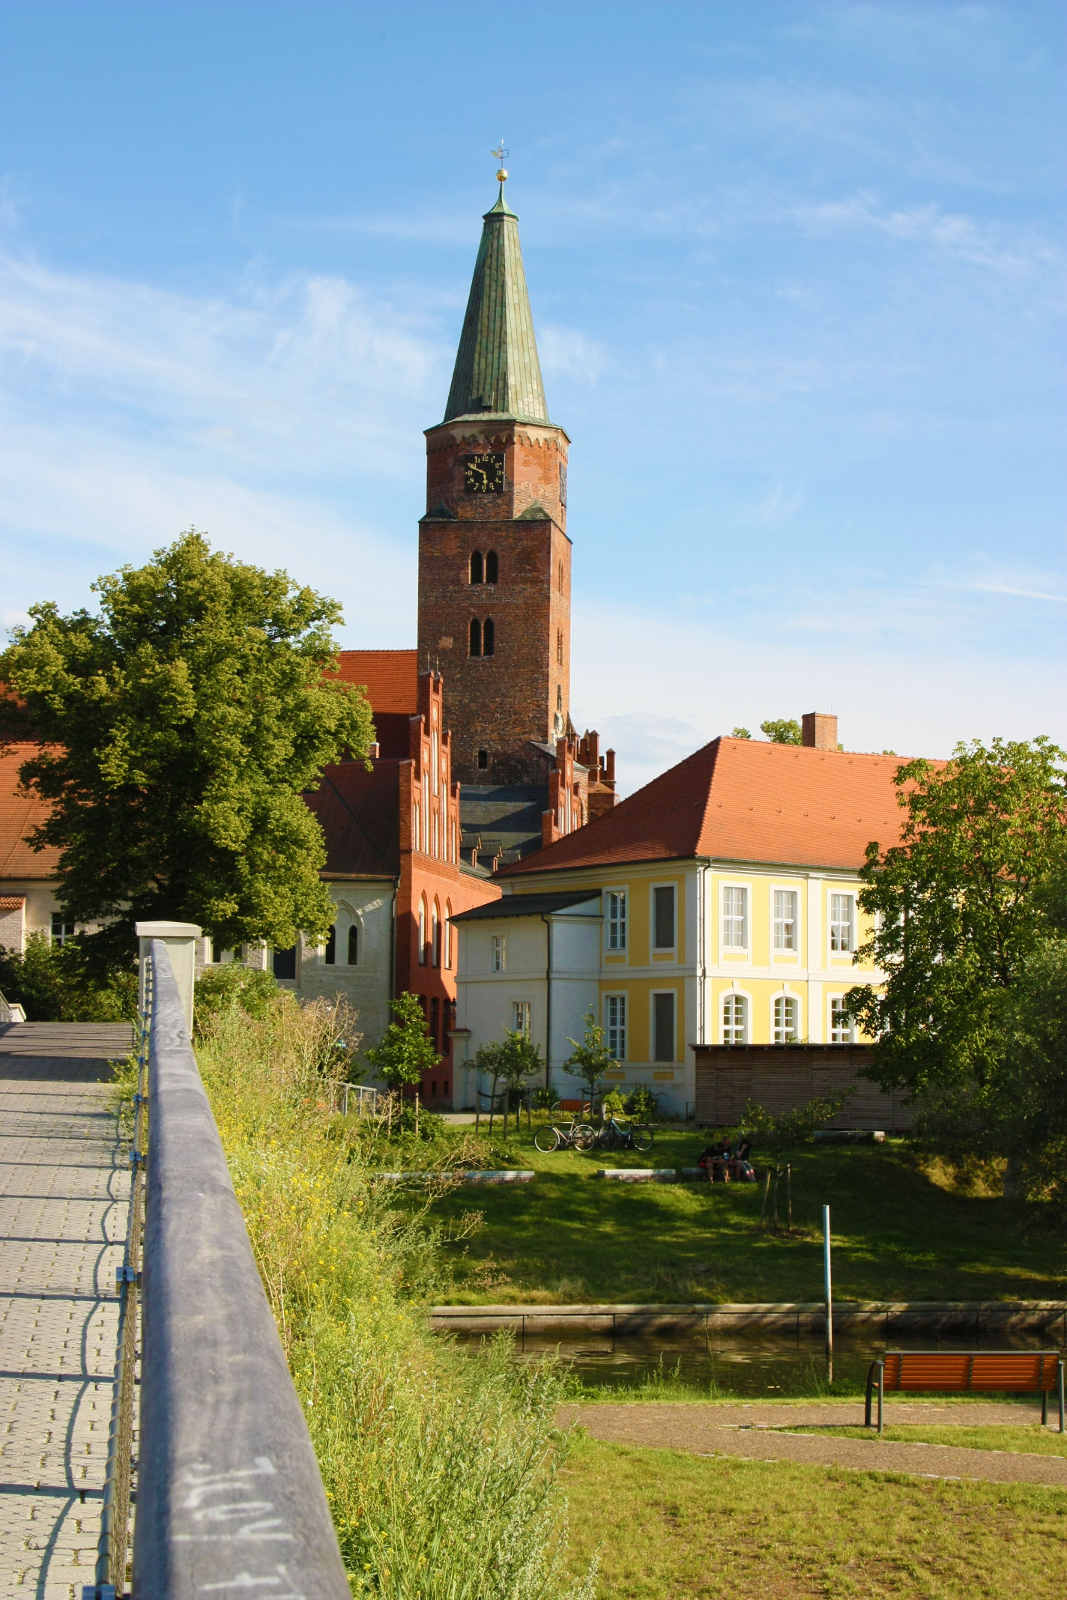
x,y
668,1524
571,1237
1032,1441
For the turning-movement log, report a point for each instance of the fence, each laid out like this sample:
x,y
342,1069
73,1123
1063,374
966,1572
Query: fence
x,y
229,1497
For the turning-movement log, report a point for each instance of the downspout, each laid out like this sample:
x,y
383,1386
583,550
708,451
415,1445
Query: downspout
x,y
548,1000
702,960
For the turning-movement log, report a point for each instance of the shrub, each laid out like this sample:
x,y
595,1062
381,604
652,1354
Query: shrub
x,y
613,1103
218,988
641,1103
545,1099
55,983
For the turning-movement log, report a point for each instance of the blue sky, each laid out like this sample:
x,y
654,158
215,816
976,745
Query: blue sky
x,y
797,273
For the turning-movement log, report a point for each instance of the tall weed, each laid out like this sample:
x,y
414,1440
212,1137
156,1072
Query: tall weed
x,y
440,1466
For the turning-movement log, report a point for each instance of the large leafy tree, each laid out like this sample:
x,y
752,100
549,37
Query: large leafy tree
x,y
968,912
179,726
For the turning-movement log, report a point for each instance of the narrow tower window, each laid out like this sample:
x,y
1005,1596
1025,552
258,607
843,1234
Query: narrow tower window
x,y
483,760
559,647
487,637
490,566
476,637
560,577
477,570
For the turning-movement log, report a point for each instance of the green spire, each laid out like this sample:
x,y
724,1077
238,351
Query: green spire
x,y
497,369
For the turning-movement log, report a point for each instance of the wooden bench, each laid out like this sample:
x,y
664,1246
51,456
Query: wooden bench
x,y
966,1371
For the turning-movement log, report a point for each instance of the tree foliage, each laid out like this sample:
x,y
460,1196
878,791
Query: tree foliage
x,y
179,727
969,910
405,1050
56,983
514,1060
590,1058
781,730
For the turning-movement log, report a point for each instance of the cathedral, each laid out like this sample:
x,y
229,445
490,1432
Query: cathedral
x,y
477,761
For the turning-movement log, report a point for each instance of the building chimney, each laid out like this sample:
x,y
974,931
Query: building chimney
x,y
818,730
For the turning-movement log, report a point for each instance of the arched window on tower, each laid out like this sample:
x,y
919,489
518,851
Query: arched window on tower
x,y
488,636
490,566
559,646
477,569
476,637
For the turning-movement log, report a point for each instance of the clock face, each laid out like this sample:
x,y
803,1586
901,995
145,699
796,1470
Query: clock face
x,y
484,474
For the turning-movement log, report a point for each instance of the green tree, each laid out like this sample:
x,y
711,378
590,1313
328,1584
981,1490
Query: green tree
x,y
781,730
590,1058
969,909
740,733
56,983
405,1050
178,729
513,1060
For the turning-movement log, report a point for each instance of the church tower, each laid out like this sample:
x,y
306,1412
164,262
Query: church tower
x,y
494,556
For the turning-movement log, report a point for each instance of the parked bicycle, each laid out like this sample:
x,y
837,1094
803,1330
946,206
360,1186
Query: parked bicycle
x,y
612,1135
577,1136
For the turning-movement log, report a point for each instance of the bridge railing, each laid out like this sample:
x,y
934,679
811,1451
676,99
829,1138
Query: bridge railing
x,y
229,1497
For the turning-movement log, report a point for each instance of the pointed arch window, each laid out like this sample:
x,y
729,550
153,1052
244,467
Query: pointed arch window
x,y
448,935
490,566
488,637
475,637
477,567
435,926
330,954
353,945
422,933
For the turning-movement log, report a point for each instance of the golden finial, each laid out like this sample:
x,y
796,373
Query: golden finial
x,y
500,152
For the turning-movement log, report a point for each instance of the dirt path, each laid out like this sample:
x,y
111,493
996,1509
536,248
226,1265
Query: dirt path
x,y
755,1431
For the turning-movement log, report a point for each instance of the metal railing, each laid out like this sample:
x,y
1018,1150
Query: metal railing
x,y
228,1493
366,1098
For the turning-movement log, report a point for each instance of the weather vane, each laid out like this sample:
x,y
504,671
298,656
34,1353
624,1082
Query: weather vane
x,y
500,152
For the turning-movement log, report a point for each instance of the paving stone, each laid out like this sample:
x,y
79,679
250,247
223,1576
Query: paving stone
x,y
64,1197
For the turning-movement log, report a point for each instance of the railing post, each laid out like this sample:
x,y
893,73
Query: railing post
x,y
180,939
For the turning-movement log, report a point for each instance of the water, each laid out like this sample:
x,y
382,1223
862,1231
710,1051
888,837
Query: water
x,y
747,1366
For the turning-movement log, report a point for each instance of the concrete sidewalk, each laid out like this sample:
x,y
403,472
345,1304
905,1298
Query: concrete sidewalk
x,y
757,1431
64,1188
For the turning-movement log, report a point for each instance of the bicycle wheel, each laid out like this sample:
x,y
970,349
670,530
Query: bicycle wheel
x,y
641,1134
584,1137
546,1139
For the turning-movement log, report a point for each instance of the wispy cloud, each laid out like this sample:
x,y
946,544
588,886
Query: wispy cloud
x,y
776,507
980,244
1018,593
567,352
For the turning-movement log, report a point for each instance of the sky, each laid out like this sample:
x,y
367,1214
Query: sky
x,y
797,276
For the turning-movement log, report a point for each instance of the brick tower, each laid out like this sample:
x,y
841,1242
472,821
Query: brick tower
x,y
494,556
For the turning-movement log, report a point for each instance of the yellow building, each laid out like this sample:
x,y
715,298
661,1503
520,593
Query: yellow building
x,y
718,905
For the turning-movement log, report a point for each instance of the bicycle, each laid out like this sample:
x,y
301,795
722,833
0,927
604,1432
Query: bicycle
x,y
612,1135
577,1136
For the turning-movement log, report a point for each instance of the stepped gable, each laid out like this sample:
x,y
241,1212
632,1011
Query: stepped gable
x,y
20,814
743,800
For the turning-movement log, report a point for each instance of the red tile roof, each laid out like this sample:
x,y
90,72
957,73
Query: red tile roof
x,y
12,902
744,800
358,813
390,677
20,813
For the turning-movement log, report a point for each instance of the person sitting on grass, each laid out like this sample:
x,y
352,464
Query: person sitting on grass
x,y
715,1159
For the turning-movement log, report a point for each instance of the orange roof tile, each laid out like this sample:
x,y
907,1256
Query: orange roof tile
x,y
743,800
20,813
12,902
390,677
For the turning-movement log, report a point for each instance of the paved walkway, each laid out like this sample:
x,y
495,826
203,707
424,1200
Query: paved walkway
x,y
757,1431
64,1187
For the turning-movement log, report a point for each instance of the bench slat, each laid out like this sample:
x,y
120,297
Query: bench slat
x,y
1030,1372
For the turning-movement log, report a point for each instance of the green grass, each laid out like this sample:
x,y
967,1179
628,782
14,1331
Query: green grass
x,y
668,1524
897,1234
1033,1440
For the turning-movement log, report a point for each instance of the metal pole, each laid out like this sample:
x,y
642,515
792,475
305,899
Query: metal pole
x,y
829,1294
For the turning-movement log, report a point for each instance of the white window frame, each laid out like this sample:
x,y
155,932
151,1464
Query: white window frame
x,y
839,1030
652,1040
616,920
662,949
783,1032
835,923
727,918
781,922
522,1017
728,1030
498,952
615,1027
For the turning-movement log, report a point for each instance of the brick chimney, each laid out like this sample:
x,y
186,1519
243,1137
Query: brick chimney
x,y
818,730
